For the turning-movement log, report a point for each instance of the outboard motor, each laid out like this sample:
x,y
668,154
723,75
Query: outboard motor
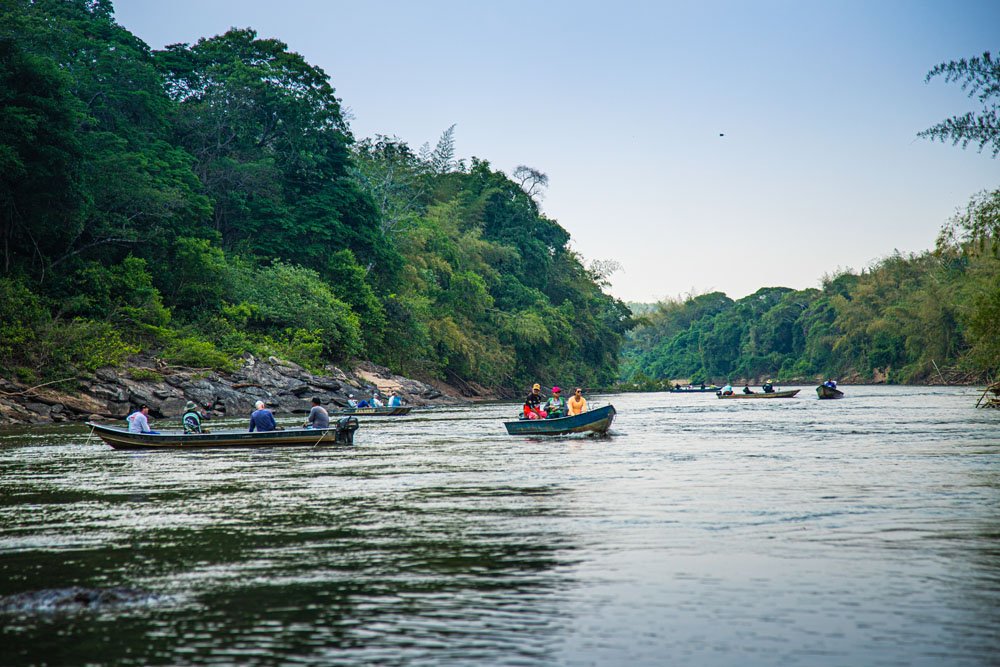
x,y
346,426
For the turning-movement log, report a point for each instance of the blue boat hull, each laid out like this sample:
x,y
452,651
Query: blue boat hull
x,y
593,421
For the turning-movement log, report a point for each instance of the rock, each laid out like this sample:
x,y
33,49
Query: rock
x,y
284,387
42,410
107,375
74,599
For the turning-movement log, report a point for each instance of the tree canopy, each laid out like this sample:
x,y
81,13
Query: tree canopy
x,y
209,200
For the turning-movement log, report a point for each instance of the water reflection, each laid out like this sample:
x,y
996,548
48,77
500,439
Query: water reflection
x,y
705,532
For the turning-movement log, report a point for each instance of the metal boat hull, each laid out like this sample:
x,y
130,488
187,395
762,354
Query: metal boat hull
x,y
774,394
597,420
340,433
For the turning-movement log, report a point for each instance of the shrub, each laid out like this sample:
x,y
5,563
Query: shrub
x,y
196,353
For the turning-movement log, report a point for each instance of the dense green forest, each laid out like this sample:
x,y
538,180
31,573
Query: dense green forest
x,y
207,201
929,317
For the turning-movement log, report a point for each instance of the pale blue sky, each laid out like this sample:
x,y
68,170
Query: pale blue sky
x,y
622,105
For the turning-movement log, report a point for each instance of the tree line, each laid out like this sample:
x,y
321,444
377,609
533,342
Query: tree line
x,y
208,201
926,317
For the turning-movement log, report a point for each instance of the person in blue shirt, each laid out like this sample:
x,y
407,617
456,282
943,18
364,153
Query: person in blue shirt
x,y
262,420
394,400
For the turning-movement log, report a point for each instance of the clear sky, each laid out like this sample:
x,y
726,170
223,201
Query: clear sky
x,y
623,104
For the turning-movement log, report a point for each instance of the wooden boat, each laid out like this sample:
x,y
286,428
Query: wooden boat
x,y
341,433
824,391
384,411
597,420
759,394
695,390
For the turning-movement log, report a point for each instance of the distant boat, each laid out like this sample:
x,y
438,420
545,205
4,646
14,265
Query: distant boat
x,y
384,411
691,389
759,394
824,391
597,420
340,432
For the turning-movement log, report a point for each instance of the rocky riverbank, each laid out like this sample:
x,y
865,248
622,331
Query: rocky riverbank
x,y
285,387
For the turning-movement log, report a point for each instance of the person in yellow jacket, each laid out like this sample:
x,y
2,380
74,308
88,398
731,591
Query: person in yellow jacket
x,y
577,403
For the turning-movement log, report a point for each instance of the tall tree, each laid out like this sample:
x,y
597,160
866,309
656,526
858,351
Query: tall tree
x,y
271,148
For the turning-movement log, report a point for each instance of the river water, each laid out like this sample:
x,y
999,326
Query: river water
x,y
864,531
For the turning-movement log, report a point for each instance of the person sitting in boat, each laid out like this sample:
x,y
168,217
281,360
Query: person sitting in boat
x,y
727,390
533,403
576,404
191,419
556,405
318,416
138,421
262,419
376,401
351,403
830,383
768,387
394,400
747,389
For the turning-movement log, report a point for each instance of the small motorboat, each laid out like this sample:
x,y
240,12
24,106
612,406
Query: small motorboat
x,y
826,391
760,394
597,420
340,433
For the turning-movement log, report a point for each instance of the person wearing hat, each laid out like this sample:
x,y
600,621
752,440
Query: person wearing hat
x,y
138,421
394,400
351,403
533,403
191,419
556,405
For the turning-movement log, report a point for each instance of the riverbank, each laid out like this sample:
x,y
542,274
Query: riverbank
x,y
285,387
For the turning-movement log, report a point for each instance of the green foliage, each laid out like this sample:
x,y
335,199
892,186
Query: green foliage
x,y
145,375
980,76
298,345
208,201
904,318
283,296
194,352
22,317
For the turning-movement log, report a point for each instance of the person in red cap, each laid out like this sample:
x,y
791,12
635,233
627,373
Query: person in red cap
x,y
556,405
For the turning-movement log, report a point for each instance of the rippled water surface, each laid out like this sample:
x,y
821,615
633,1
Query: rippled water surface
x,y
864,531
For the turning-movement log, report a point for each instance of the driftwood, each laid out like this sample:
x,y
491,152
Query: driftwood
x,y
31,389
993,402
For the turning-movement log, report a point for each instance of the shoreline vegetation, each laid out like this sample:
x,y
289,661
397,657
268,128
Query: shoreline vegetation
x,y
207,204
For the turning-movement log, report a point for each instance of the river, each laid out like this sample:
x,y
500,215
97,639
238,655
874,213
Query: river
x,y
861,531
